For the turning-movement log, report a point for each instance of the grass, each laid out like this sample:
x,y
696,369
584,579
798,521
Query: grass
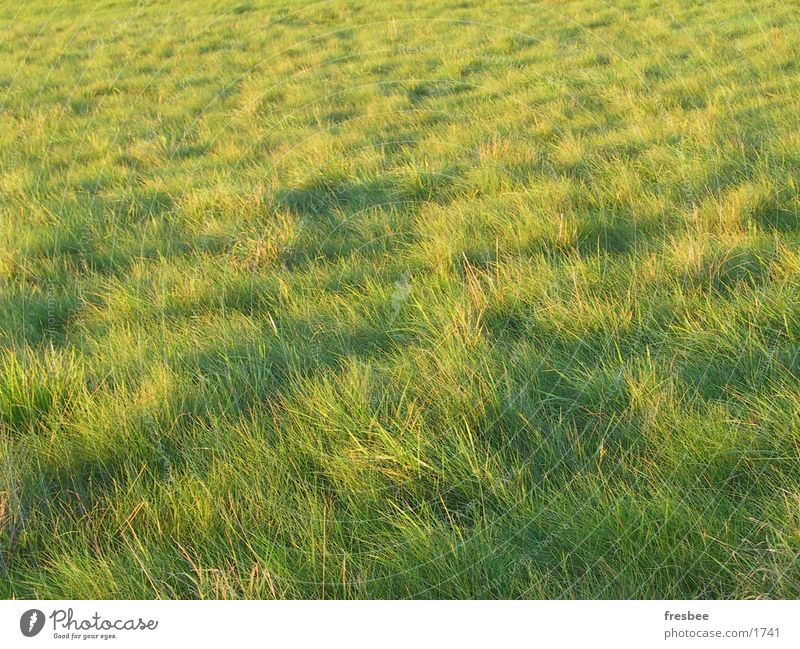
x,y
430,299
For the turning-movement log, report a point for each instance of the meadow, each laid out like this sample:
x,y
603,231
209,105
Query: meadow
x,y
416,299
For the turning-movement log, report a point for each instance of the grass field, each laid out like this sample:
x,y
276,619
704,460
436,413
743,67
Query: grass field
x,y
435,299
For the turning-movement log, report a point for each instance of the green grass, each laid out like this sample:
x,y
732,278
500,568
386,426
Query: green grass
x,y
444,299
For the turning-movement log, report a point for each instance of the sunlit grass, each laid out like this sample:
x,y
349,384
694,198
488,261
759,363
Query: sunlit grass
x,y
434,299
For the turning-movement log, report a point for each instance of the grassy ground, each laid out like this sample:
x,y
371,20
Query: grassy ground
x,y
427,299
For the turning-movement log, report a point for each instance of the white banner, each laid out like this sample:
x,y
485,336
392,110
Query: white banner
x,y
400,624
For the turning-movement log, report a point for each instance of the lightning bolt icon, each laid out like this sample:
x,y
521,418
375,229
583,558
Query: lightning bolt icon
x,y
32,621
